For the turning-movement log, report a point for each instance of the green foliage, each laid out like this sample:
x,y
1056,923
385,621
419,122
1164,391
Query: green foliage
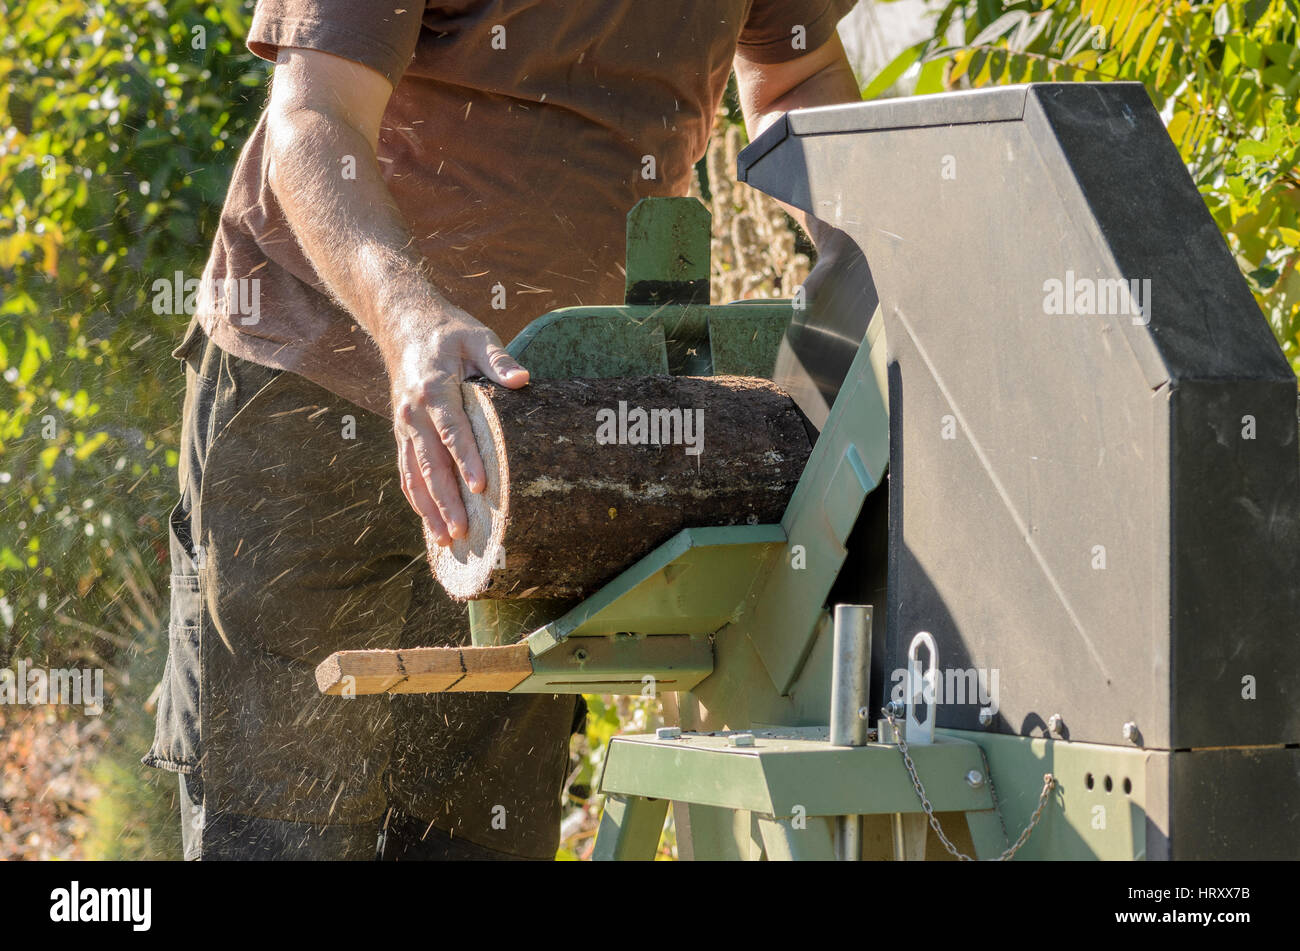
x,y
136,815
1224,75
121,121
607,716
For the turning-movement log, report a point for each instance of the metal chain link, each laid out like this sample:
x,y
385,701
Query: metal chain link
x,y
993,794
1048,782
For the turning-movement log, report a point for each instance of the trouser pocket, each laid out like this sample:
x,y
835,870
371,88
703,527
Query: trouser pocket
x,y
176,737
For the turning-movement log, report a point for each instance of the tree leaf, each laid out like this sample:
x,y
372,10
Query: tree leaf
x,y
931,79
1154,32
998,27
960,63
1166,61
893,70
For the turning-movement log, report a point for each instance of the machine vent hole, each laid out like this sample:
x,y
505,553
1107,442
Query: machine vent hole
x,y
1128,786
1087,781
1109,784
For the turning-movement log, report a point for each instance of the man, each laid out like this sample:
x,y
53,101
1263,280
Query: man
x,y
424,182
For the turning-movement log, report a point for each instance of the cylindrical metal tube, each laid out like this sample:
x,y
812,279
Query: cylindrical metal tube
x,y
850,674
848,838
850,693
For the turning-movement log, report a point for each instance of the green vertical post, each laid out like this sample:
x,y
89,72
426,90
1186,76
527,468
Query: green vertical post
x,y
668,251
495,622
630,827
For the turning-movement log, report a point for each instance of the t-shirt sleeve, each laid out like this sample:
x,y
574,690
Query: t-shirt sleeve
x,y
772,32
380,34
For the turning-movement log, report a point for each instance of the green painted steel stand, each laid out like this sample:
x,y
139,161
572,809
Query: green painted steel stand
x,y
732,621
791,783
788,782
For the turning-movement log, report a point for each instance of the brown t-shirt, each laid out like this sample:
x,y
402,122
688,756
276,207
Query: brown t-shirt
x,y
515,143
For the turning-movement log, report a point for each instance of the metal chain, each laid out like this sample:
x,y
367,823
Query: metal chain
x,y
993,794
1048,782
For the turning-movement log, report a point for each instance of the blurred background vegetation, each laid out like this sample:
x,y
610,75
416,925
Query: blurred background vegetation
x,y
121,123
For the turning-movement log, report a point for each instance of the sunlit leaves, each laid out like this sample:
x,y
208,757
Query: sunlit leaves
x,y
117,138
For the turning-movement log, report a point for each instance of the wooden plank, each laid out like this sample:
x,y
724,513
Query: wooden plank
x,y
424,670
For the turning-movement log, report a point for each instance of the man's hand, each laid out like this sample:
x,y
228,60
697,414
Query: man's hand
x,y
434,439
324,109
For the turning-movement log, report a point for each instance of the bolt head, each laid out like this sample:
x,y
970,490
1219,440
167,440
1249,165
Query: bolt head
x,y
1056,724
863,713
742,739
986,716
975,779
668,733
1131,731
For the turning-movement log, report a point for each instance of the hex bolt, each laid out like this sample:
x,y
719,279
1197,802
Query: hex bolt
x,y
1131,731
975,779
668,733
1056,724
986,716
742,739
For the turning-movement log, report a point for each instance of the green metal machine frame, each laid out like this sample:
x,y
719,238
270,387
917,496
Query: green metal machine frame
x,y
733,622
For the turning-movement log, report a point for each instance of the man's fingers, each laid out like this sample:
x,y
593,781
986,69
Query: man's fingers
x,y
448,413
498,366
435,467
417,493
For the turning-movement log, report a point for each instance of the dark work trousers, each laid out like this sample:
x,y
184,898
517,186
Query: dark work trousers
x,y
291,540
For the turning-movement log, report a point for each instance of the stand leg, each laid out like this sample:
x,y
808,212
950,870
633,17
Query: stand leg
x,y
630,827
784,843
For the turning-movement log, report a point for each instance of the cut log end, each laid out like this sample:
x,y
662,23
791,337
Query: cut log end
x,y
465,567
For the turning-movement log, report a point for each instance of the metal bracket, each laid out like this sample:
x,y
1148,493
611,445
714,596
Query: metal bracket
x,y
918,731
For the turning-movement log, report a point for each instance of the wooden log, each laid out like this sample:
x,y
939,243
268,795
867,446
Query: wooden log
x,y
424,670
586,476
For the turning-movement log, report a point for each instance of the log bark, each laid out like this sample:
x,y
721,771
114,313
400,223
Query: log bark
x,y
580,485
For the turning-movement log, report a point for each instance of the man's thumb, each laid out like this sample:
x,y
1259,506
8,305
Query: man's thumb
x,y
503,368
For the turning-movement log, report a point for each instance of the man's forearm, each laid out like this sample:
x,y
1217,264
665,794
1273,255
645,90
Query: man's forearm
x,y
325,117
829,87
350,229
768,92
